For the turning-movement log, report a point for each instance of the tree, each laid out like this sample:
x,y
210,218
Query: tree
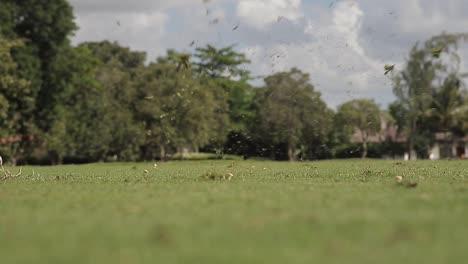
x,y
16,105
115,55
413,86
224,68
447,100
362,115
177,110
77,130
116,75
94,111
224,62
463,115
291,112
45,26
446,113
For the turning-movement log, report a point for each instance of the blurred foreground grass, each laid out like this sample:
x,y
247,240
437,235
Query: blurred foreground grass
x,y
269,212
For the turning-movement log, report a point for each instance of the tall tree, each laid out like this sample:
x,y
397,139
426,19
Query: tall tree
x,y
76,128
447,101
446,113
116,75
46,26
462,115
362,115
16,105
291,112
413,86
224,67
177,110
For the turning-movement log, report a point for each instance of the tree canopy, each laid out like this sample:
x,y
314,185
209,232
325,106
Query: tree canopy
x,y
291,112
362,115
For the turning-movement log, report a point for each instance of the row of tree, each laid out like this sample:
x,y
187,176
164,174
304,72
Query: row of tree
x,y
99,101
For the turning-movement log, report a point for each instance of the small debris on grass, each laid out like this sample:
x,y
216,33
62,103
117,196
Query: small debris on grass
x,y
146,171
402,182
409,185
155,166
7,174
217,176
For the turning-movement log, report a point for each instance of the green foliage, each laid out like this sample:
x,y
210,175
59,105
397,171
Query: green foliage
x,y
223,67
291,112
462,115
78,107
224,62
46,24
362,115
16,104
115,55
7,19
116,74
447,105
387,149
177,110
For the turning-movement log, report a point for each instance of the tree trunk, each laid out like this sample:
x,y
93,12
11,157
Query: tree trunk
x,y
364,145
411,140
162,153
291,153
364,150
410,147
450,142
55,158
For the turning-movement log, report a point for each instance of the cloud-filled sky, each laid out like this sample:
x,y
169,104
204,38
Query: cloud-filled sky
x,y
342,44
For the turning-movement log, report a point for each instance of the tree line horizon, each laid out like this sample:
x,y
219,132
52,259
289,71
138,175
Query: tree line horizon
x,y
99,101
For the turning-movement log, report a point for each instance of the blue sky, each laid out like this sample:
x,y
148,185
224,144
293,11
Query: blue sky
x,y
343,46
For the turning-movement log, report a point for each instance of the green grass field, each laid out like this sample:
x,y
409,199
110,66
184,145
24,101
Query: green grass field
x,y
269,212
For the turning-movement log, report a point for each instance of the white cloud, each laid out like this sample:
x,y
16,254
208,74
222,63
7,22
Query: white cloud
x,y
133,6
260,13
140,31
